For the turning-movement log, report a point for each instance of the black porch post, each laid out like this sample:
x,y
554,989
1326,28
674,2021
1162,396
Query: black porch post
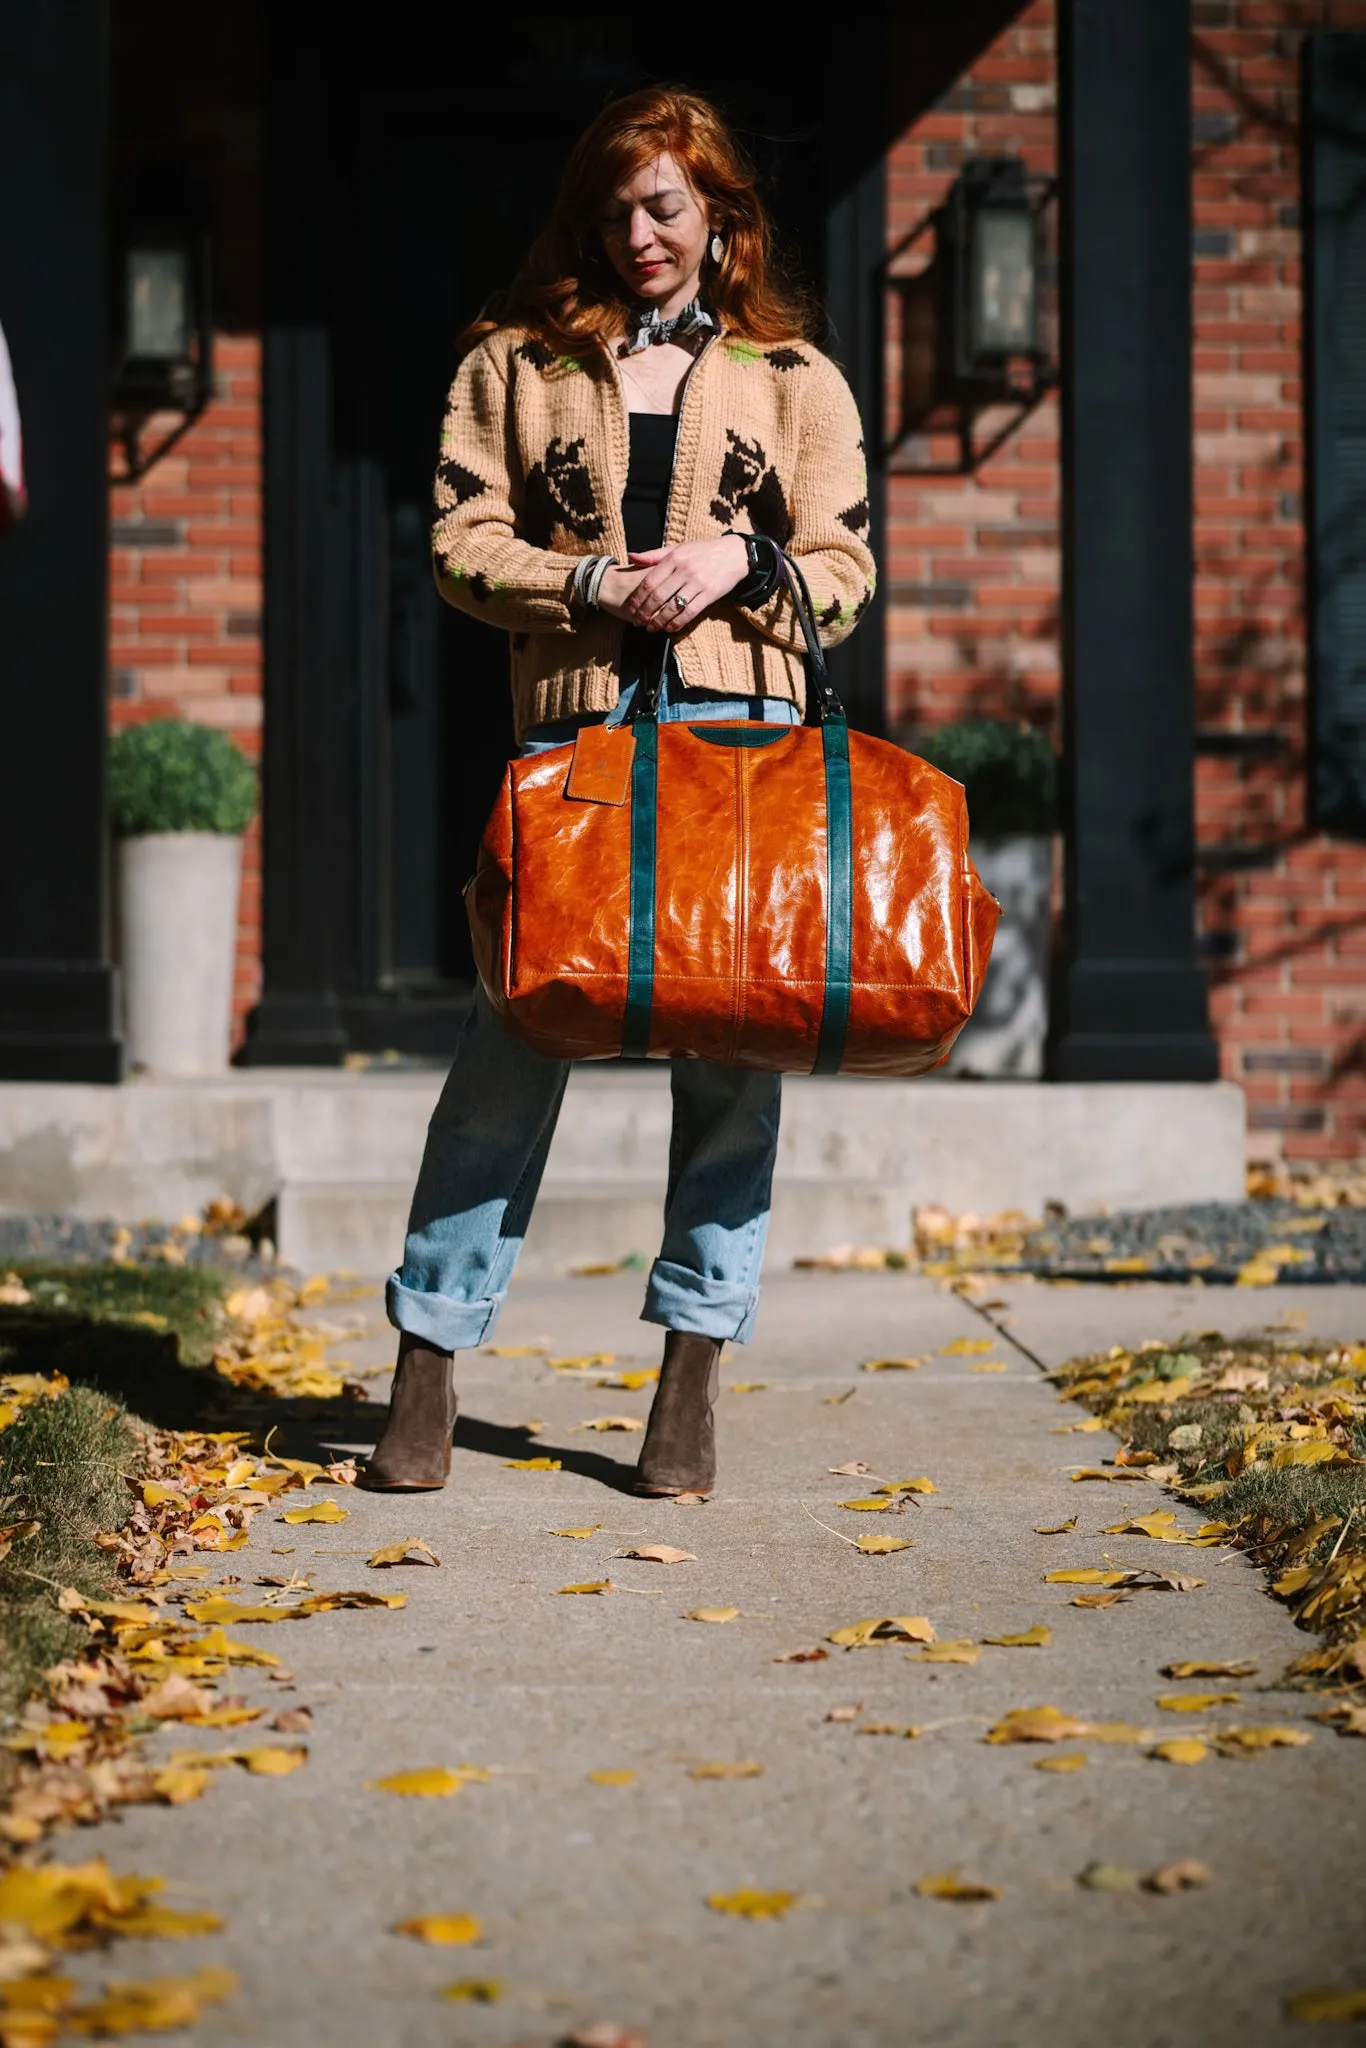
x,y
56,983
305,788
1130,1000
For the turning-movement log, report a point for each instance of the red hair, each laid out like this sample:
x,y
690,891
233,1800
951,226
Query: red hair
x,y
567,291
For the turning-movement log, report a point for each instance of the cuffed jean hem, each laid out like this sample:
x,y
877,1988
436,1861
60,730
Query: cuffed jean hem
x,y
683,1300
436,1319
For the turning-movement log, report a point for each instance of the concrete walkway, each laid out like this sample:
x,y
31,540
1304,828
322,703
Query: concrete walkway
x,y
592,1897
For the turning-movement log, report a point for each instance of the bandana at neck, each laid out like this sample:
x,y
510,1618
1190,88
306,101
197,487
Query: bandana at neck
x,y
646,326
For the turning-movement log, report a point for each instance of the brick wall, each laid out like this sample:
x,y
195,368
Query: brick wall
x,y
185,594
973,564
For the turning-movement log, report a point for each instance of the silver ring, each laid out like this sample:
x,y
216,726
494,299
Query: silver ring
x,y
680,602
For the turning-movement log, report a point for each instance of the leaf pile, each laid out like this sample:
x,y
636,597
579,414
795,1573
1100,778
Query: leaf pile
x,y
1270,1435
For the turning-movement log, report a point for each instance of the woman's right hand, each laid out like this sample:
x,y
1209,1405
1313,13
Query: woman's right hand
x,y
617,589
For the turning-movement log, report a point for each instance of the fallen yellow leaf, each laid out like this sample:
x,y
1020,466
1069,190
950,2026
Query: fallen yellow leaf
x,y
473,1991
1036,1638
886,1628
740,1770
866,1507
612,1777
317,1511
177,1784
1057,1528
589,1586
271,1761
155,1495
1184,1875
1326,2006
1182,1749
164,1923
749,1904
966,1347
442,1930
627,1422
948,1885
578,1535
960,1652
712,1614
892,1364
880,1546
1194,1702
747,1387
533,1464
434,1783
155,2005
921,1485
1073,1761
1089,1576
1211,1667
1037,1724
412,1550
989,1365
634,1381
1248,1741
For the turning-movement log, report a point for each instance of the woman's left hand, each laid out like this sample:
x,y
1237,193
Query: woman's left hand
x,y
698,571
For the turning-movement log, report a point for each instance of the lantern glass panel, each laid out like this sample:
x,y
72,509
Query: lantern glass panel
x,y
1002,303
159,304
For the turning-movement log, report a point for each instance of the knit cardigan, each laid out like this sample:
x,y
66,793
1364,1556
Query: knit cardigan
x,y
534,454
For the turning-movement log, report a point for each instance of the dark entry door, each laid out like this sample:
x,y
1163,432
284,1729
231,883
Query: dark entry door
x,y
404,181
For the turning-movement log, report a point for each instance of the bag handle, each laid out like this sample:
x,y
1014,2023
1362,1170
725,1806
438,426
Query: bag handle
x,y
821,692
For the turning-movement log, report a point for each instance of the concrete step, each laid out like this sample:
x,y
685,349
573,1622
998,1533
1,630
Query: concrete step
x,y
339,1152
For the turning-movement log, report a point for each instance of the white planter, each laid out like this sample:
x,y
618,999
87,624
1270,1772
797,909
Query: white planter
x,y
1005,1035
178,933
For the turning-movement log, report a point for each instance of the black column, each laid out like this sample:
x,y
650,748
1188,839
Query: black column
x,y
305,783
56,983
1130,1000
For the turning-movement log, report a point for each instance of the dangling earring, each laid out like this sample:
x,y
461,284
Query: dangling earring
x,y
717,248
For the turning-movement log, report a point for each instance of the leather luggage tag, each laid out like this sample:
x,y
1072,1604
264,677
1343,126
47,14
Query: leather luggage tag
x,y
600,772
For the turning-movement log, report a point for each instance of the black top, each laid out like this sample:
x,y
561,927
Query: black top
x,y
644,503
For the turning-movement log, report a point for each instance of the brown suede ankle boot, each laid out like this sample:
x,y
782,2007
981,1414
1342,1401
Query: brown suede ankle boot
x,y
414,1452
679,1452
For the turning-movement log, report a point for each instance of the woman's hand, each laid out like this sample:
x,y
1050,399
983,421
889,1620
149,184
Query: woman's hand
x,y
617,591
698,571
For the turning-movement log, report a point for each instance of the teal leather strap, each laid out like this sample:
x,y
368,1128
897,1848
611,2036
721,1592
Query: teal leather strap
x,y
839,896
640,956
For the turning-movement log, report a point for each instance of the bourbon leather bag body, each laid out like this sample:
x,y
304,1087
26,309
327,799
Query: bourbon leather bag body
x,y
796,898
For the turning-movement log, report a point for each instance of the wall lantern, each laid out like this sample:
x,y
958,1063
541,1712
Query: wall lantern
x,y
162,328
976,317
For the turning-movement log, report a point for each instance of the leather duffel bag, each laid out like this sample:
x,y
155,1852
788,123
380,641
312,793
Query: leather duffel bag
x,y
795,898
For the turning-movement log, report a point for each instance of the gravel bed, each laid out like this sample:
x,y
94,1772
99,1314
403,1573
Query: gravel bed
x,y
1212,1240
72,1241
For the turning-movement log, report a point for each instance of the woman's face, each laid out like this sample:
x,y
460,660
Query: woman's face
x,y
655,230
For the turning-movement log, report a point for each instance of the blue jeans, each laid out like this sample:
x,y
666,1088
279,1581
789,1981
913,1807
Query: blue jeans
x,y
491,1130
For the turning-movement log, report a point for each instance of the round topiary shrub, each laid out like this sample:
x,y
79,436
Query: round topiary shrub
x,y
1009,771
172,776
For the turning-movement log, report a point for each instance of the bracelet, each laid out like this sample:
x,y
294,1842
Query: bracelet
x,y
588,576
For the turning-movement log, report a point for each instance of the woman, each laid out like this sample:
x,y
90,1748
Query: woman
x,y
618,455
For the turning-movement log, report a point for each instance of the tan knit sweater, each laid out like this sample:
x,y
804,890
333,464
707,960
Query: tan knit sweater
x,y
534,454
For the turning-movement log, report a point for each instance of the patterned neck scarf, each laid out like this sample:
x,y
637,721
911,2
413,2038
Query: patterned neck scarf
x,y
647,327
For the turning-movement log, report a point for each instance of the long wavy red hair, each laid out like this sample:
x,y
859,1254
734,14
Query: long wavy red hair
x,y
567,291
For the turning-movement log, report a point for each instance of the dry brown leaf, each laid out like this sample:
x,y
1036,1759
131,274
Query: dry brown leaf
x,y
845,1713
1184,1875
855,1469
659,1553
1098,1600
412,1550
176,1699
949,1885
816,1654
293,1721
